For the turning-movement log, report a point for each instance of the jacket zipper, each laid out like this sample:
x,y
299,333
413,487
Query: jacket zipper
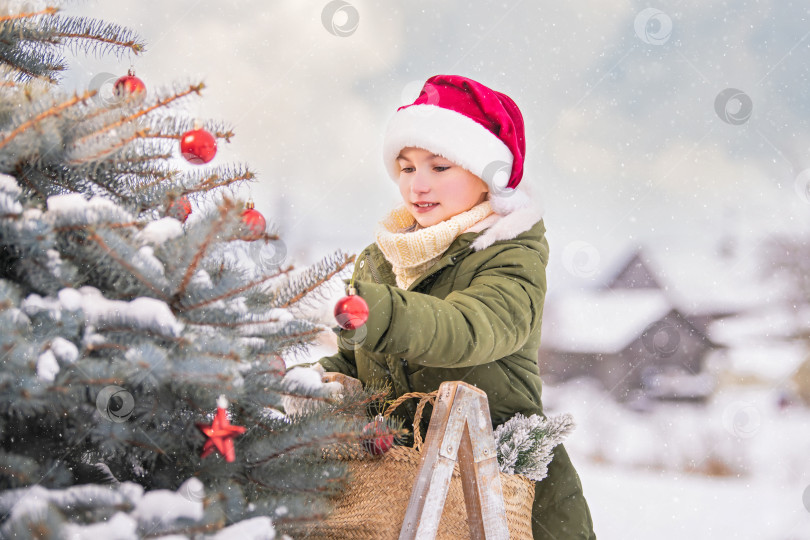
x,y
373,269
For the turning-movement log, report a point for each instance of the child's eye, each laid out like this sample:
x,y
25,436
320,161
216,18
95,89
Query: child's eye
x,y
440,168
407,169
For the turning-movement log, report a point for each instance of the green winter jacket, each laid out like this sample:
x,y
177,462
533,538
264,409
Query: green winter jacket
x,y
474,317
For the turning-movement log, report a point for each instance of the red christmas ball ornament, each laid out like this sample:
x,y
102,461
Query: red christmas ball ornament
x,y
351,312
179,209
377,437
253,223
198,146
221,433
130,87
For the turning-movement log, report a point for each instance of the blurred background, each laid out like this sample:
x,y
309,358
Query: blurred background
x,y
669,145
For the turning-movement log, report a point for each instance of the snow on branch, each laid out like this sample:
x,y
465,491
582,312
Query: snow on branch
x,y
141,265
73,210
21,501
158,232
134,513
524,445
9,205
146,314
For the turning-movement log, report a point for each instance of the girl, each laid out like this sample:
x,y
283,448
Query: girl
x,y
455,281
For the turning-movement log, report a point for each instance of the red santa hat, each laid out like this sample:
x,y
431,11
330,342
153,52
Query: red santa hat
x,y
473,126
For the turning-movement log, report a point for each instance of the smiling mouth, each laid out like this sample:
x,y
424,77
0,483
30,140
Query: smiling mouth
x,y
425,205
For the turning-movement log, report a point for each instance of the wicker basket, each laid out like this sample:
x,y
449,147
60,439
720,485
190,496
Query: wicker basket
x,y
373,505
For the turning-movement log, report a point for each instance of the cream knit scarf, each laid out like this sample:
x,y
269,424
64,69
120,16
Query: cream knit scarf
x,y
412,251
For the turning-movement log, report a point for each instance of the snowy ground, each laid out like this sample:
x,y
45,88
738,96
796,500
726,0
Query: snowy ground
x,y
637,469
639,504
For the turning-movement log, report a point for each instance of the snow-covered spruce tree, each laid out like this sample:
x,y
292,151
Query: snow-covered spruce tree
x,y
121,326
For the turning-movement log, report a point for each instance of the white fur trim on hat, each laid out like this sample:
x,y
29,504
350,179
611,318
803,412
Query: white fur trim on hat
x,y
452,135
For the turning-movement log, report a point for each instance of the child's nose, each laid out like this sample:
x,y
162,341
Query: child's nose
x,y
420,182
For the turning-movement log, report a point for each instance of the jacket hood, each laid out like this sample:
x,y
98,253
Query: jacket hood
x,y
513,216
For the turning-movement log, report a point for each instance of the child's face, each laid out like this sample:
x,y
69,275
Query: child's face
x,y
435,189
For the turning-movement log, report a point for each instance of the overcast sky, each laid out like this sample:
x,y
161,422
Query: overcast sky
x,y
628,141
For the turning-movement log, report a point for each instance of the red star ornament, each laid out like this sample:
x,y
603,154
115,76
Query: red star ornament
x,y
220,433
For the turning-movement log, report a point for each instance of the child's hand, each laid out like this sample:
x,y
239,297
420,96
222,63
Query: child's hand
x,y
349,384
315,381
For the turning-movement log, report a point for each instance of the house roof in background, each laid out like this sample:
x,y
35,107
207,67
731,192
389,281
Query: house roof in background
x,y
601,321
770,323
698,281
774,362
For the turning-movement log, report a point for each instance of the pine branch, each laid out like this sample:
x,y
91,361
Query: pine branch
x,y
239,290
314,284
121,143
177,136
77,183
317,489
37,261
83,29
146,332
199,182
24,175
50,112
303,336
231,357
16,59
224,209
150,447
28,15
130,268
145,157
102,346
66,384
216,181
192,89
231,324
121,177
86,226
55,30
27,41
318,442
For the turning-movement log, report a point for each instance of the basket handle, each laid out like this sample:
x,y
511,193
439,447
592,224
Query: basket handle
x,y
424,399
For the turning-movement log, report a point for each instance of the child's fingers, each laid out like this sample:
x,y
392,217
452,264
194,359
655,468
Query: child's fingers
x,y
349,383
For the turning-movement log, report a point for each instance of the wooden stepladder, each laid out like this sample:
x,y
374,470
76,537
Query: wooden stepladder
x,y
460,431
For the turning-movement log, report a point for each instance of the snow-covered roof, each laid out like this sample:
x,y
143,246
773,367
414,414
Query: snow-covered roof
x,y
768,323
699,279
773,361
601,321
